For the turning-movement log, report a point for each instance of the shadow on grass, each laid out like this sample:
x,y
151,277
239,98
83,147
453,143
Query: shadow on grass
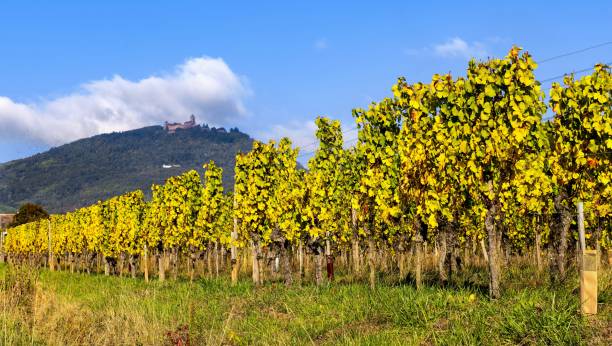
x,y
430,278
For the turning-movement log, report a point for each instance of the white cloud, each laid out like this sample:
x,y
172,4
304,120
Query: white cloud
x,y
321,44
204,86
301,133
457,47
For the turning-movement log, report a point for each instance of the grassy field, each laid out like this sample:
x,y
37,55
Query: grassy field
x,y
59,308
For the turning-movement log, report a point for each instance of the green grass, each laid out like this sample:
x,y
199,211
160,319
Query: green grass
x,y
91,309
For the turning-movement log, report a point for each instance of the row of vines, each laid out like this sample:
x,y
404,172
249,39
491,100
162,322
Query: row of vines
x,y
456,162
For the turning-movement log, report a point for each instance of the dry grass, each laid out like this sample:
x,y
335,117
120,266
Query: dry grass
x,y
61,321
57,308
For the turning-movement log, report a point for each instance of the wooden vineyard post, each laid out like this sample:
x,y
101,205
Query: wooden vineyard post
x,y
209,259
372,262
538,249
106,267
234,253
355,253
355,244
51,262
190,266
402,265
588,270
301,261
216,259
223,260
318,258
419,259
161,261
245,260
2,256
443,256
286,257
330,261
256,262
175,263
132,260
146,263
581,236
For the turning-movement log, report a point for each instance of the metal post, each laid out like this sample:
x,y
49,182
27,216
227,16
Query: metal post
x,y
581,226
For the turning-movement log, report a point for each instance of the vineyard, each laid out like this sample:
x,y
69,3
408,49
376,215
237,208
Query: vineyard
x,y
447,174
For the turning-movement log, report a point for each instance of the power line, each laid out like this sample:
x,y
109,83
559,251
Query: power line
x,y
573,72
574,52
561,76
308,153
542,81
317,142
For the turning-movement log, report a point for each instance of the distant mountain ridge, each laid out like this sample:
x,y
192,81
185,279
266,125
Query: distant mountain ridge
x,y
96,168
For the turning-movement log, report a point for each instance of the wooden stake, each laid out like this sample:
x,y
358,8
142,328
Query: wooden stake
x,y
161,262
256,273
51,262
330,261
234,253
216,259
538,250
209,260
372,262
355,252
146,263
106,267
402,265
132,266
301,261
318,268
419,259
2,257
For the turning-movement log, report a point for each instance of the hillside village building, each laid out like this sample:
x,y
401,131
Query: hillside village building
x,y
5,220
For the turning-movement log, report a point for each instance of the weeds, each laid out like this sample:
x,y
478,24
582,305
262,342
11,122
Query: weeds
x,y
72,309
18,290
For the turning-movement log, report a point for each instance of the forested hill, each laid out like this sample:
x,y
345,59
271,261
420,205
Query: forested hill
x,y
85,171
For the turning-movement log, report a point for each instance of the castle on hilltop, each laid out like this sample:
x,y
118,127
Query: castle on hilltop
x,y
172,127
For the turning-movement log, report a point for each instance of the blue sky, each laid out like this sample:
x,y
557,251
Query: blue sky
x,y
70,69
